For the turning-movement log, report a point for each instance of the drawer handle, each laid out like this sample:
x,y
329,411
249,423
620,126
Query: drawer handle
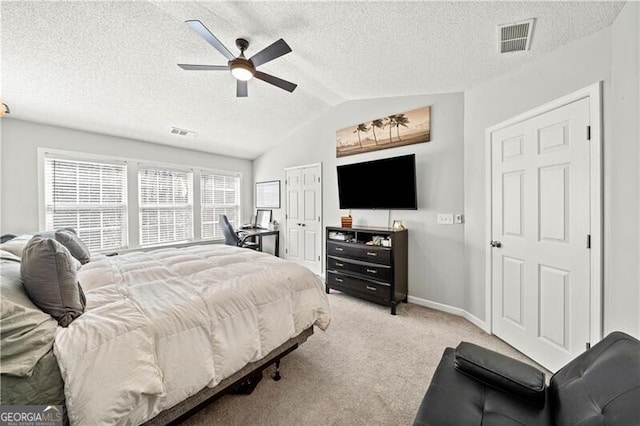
x,y
372,271
339,264
371,288
339,249
372,253
340,280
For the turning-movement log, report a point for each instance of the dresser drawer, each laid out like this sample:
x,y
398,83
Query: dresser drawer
x,y
360,251
367,270
373,289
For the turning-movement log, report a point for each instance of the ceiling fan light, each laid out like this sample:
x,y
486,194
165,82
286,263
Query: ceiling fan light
x,y
242,72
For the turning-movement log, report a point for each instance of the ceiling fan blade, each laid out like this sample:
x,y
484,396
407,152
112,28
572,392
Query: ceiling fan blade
x,y
283,84
241,90
271,52
204,32
190,67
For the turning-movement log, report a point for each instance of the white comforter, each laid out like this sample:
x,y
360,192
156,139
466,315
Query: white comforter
x,y
161,325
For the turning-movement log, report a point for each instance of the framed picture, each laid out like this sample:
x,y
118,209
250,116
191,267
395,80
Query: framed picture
x,y
406,128
268,194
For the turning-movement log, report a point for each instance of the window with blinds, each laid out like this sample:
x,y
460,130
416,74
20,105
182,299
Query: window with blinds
x,y
220,194
89,196
166,205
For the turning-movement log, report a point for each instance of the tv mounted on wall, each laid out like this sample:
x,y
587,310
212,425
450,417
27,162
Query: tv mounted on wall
x,y
389,183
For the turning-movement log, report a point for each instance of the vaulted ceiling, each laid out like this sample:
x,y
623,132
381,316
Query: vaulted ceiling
x,y
110,66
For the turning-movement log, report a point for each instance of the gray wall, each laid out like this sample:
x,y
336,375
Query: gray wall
x,y
610,55
435,251
19,165
622,177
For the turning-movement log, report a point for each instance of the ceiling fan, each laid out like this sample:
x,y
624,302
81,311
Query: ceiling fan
x,y
242,69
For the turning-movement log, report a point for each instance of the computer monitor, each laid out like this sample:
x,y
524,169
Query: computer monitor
x,y
263,218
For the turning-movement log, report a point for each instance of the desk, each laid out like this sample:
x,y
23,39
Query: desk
x,y
258,234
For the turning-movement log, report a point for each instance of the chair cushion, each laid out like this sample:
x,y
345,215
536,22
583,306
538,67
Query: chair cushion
x,y
501,372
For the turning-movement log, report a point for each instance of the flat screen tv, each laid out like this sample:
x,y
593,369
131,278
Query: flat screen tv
x,y
389,183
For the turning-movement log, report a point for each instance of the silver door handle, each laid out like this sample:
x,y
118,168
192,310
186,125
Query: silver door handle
x,y
371,288
372,253
496,244
339,249
339,264
339,280
372,271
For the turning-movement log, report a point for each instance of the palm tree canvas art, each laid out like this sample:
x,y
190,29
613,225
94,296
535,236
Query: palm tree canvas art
x,y
388,132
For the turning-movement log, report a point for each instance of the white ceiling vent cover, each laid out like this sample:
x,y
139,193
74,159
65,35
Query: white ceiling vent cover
x,y
515,37
182,132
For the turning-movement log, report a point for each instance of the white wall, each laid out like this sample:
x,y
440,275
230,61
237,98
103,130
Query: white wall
x,y
611,56
435,251
19,168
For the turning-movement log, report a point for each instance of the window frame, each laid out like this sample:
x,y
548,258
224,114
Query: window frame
x,y
101,207
189,206
133,206
238,205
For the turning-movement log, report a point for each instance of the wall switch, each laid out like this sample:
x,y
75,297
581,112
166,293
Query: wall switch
x,y
459,218
445,219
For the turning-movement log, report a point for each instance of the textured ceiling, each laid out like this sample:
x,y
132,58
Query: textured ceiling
x,y
110,67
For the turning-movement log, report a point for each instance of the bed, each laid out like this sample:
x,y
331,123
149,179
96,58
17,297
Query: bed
x,y
163,331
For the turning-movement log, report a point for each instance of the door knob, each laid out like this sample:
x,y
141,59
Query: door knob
x,y
496,244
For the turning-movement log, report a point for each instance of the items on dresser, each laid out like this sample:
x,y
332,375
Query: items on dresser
x,y
369,263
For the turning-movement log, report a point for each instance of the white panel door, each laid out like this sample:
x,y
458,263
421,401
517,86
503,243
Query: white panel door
x,y
293,185
540,226
304,216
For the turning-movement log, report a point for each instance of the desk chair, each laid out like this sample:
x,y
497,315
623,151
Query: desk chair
x,y
231,238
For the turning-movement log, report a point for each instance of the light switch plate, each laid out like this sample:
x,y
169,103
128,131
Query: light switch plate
x,y
445,219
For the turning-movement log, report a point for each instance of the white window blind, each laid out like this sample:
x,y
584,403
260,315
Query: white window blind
x,y
89,196
220,194
166,205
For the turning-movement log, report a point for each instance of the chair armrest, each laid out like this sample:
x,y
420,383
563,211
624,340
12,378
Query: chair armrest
x,y
501,372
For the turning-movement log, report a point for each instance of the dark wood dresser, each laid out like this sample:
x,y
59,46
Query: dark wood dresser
x,y
369,263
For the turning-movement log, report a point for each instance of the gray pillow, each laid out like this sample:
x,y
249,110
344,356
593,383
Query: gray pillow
x,y
49,274
74,244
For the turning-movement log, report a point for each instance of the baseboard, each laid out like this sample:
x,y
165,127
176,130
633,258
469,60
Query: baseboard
x,y
450,310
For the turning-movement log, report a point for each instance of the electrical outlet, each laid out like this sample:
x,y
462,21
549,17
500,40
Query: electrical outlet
x,y
445,219
459,218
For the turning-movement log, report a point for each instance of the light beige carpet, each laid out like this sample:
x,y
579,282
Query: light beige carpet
x,y
368,368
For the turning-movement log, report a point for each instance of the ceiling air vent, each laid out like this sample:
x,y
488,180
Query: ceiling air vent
x,y
515,37
182,132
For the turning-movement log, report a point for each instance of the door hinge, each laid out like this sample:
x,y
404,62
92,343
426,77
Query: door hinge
x,y
286,250
588,345
318,179
318,218
318,258
588,133
588,241
286,216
